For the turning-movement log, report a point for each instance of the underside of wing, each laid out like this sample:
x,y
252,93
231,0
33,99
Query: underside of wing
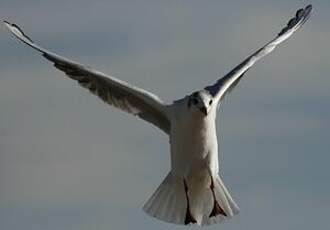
x,y
229,81
113,91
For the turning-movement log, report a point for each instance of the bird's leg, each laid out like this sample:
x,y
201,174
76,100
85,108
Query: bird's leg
x,y
189,218
217,210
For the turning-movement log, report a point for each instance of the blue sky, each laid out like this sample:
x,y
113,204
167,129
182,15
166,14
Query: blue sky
x,y
68,161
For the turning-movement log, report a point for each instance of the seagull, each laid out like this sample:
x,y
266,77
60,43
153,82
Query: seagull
x,y
192,192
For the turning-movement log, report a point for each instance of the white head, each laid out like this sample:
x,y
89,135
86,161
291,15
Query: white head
x,y
200,101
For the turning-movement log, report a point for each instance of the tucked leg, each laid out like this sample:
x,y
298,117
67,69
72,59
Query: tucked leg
x,y
189,217
217,210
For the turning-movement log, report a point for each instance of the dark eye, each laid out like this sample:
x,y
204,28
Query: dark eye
x,y
194,101
210,103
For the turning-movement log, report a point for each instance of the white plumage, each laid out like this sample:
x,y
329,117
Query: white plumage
x,y
193,191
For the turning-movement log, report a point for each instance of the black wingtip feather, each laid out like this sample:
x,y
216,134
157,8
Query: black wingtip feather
x,y
299,13
302,15
19,29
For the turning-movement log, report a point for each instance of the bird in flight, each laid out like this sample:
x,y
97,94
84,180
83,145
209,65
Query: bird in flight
x,y
192,192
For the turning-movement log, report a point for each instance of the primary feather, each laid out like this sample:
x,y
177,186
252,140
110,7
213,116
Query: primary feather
x,y
229,81
113,91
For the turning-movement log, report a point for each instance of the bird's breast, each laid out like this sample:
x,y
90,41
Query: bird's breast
x,y
192,141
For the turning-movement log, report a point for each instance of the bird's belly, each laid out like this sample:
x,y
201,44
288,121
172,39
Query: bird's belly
x,y
194,152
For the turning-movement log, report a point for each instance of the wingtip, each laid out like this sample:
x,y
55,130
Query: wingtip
x,y
302,15
12,27
6,23
309,8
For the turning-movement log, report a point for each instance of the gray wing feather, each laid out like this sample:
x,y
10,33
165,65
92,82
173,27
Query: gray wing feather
x,y
229,81
113,91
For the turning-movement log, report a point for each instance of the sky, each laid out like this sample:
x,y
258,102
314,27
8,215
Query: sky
x,y
68,161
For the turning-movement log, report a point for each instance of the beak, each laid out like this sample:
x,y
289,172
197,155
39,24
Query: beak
x,y
203,110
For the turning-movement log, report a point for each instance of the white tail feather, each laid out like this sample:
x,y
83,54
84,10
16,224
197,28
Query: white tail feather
x,y
169,204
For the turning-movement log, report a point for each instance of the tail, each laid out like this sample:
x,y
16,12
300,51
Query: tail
x,y
169,202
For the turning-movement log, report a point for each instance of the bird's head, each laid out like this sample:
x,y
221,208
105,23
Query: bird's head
x,y
200,101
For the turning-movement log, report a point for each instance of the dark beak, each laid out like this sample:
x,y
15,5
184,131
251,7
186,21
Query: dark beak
x,y
203,110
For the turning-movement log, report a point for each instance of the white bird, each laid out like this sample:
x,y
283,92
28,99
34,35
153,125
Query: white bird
x,y
192,192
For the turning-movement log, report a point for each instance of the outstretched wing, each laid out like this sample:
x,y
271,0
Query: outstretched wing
x,y
229,81
111,90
